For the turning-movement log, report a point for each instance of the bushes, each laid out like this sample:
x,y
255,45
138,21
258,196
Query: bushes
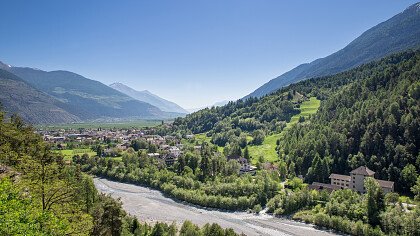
x,y
224,192
291,201
346,211
339,223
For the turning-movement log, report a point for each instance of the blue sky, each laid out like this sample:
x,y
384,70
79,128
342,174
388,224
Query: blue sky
x,y
194,53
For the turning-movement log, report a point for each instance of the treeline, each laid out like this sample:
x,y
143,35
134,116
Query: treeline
x,y
203,178
368,116
41,195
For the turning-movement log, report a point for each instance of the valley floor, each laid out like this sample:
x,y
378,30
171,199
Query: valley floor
x,y
151,206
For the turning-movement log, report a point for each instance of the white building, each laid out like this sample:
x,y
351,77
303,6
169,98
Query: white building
x,y
356,180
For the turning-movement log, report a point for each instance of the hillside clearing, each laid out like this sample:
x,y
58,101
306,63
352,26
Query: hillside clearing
x,y
268,148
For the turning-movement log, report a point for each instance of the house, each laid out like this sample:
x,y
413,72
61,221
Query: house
x,y
156,155
175,151
246,167
356,180
170,159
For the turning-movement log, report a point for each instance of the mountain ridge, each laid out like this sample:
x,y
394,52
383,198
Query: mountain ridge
x,y
148,97
34,106
82,98
398,33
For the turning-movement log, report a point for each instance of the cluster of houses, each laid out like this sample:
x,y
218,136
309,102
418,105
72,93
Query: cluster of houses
x,y
63,135
354,181
167,154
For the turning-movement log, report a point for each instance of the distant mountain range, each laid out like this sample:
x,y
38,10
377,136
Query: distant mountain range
x,y
399,33
34,106
69,97
146,96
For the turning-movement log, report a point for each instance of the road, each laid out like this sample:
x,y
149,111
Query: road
x,y
151,206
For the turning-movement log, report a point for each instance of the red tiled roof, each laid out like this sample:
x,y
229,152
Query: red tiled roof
x,y
363,170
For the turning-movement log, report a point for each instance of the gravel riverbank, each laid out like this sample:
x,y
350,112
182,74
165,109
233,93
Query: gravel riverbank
x,y
151,206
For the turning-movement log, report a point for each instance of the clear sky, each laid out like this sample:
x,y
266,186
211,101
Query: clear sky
x,y
194,53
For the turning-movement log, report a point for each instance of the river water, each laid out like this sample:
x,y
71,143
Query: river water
x,y
150,206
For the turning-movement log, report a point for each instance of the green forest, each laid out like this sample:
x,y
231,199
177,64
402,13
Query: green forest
x,y
368,116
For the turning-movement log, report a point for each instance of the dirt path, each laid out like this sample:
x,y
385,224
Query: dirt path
x,y
151,206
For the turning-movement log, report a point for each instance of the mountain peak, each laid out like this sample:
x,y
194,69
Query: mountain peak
x,y
4,66
413,8
146,96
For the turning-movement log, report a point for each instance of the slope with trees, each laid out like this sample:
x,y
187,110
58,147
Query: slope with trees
x,y
368,116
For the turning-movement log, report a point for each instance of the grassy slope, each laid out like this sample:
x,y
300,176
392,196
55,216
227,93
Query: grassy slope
x,y
267,149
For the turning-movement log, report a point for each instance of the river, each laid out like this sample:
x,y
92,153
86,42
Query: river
x,y
150,206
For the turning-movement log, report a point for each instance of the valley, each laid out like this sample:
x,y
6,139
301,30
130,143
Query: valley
x,y
330,147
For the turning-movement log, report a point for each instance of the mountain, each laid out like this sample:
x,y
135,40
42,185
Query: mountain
x,y
399,33
88,99
146,96
36,107
216,104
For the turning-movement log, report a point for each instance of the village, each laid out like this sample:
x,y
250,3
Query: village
x,y
114,142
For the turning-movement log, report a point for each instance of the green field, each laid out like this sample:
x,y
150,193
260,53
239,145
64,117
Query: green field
x,y
68,154
306,108
267,149
95,125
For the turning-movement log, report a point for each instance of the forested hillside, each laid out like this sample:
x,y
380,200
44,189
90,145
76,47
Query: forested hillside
x,y
233,122
368,116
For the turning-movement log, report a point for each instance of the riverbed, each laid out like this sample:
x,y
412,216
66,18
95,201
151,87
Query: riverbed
x,y
151,206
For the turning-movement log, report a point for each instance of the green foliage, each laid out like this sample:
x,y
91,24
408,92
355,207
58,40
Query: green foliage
x,y
368,116
204,179
288,202
347,203
374,200
416,189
